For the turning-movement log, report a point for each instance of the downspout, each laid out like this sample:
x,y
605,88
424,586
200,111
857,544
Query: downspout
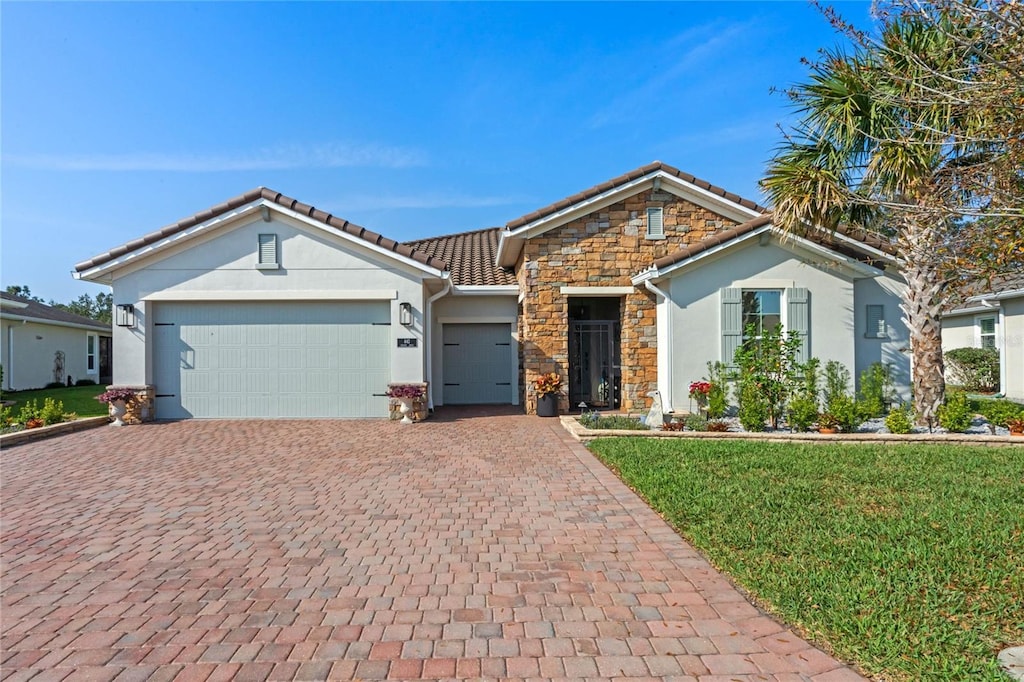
x,y
428,338
1001,340
666,389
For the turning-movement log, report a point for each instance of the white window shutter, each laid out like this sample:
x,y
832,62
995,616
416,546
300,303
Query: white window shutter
x,y
655,222
268,249
798,319
732,323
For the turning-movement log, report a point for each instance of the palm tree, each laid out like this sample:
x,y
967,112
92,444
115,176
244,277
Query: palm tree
x,y
883,144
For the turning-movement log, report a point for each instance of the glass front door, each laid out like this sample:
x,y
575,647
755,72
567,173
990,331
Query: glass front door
x,y
594,363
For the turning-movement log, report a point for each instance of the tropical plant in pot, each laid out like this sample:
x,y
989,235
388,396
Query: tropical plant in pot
x,y
547,387
827,422
118,399
406,394
1016,425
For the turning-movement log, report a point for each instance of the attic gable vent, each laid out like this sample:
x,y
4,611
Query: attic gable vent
x,y
268,252
655,223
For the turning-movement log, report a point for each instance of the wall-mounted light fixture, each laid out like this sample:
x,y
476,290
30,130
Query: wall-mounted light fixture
x,y
124,315
405,314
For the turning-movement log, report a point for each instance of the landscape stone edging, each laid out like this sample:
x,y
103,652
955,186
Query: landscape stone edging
x,y
583,434
30,435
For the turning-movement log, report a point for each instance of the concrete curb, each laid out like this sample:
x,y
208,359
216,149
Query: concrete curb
x,y
31,435
583,434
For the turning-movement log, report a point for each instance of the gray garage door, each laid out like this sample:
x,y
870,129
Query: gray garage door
x,y
271,360
477,364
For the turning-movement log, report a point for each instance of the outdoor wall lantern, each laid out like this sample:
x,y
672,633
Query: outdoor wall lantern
x,y
405,314
125,315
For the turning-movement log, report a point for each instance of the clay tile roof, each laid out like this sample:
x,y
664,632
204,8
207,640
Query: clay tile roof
x,y
627,178
46,313
252,195
470,257
822,237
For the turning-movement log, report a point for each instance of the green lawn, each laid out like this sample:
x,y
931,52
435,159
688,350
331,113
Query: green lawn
x,y
907,560
78,399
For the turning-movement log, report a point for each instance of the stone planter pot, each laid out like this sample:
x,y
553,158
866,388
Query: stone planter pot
x,y
406,409
547,405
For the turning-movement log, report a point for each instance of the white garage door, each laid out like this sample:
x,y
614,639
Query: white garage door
x,y
478,364
269,360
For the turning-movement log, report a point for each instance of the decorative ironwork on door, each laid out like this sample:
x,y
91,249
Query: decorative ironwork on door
x,y
594,363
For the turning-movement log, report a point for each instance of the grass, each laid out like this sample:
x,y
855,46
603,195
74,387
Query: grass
x,y
78,399
906,560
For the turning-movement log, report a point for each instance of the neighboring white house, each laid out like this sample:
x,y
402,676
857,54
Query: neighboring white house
x,y
993,319
266,307
40,344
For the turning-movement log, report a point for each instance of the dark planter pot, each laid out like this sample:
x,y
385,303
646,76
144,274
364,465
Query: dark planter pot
x,y
547,405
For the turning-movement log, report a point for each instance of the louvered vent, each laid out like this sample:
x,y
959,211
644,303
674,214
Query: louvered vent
x,y
655,223
268,251
876,322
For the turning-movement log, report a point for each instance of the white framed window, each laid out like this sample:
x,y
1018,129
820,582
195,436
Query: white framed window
x,y
762,310
267,252
90,354
875,327
986,331
655,222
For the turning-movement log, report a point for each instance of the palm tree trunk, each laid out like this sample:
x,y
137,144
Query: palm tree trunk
x,y
922,308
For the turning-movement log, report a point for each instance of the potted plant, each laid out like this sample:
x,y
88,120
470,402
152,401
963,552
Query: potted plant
x,y
547,387
699,391
827,423
405,394
1016,425
118,399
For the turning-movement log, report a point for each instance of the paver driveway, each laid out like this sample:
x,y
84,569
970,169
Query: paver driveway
x,y
461,547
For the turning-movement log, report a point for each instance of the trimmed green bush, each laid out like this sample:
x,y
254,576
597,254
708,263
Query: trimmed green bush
x,y
975,369
999,412
956,413
718,396
899,420
695,422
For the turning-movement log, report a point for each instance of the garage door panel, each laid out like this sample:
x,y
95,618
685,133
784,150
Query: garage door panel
x,y
271,360
477,364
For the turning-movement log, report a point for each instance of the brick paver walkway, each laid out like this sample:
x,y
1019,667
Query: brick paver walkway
x,y
457,548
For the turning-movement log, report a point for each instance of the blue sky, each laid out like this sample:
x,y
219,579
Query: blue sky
x,y
410,119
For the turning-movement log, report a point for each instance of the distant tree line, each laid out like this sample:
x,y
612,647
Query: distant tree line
x,y
97,308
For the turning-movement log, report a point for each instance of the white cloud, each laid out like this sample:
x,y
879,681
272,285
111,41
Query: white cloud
x,y
281,157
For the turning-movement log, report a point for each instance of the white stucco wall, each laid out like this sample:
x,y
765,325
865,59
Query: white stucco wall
x,y
462,309
28,351
315,265
835,299
894,349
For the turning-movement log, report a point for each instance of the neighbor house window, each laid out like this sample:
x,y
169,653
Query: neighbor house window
x,y
987,332
762,311
268,251
90,353
655,223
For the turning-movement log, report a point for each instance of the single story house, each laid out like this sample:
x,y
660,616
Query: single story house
x,y
40,344
992,319
267,307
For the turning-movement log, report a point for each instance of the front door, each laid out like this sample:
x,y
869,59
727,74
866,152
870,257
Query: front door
x,y
594,363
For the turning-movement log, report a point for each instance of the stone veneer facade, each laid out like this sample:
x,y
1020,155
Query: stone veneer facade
x,y
604,248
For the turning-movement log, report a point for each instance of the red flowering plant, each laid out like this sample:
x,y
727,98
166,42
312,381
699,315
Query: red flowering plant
x,y
699,391
407,391
125,395
548,383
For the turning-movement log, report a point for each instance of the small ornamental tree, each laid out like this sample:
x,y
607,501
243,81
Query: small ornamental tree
x,y
767,367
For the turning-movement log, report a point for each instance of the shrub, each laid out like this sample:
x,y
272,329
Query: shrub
x,y
6,416
956,413
54,384
85,382
718,396
837,380
976,369
803,412
696,422
52,412
28,412
999,412
846,411
768,375
899,420
593,420
875,390
718,426
673,425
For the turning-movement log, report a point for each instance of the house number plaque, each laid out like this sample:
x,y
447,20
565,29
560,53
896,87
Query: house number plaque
x,y
406,343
